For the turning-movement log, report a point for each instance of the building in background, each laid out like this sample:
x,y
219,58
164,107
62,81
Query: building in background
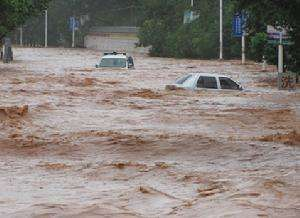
x,y
113,38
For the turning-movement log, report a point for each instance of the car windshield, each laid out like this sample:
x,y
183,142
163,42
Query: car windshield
x,y
183,79
113,62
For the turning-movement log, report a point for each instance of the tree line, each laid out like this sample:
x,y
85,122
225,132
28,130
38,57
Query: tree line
x,y
16,12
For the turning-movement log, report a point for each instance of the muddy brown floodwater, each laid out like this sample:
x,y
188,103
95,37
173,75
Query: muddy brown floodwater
x,y
76,141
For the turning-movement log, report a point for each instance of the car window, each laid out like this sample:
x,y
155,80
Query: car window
x,y
113,62
227,83
183,79
207,82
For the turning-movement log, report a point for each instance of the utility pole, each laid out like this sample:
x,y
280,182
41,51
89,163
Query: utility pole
x,y
73,32
280,55
21,36
73,24
221,29
46,28
243,47
192,3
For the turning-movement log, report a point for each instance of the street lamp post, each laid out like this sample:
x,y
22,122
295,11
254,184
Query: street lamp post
x,y
21,36
280,54
221,30
73,32
46,28
73,24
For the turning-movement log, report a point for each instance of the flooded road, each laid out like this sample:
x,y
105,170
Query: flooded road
x,y
77,141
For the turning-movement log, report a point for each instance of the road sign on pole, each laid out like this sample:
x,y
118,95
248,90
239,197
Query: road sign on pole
x,y
274,35
238,25
279,36
239,30
190,16
73,25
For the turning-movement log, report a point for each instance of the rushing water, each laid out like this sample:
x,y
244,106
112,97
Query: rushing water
x,y
115,143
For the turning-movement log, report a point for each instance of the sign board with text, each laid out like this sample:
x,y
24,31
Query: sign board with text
x,y
277,33
74,23
190,16
239,24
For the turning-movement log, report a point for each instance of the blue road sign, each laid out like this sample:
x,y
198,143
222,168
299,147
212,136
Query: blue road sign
x,y
238,24
73,23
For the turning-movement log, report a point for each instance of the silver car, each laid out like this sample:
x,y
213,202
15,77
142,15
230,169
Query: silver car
x,y
206,81
116,60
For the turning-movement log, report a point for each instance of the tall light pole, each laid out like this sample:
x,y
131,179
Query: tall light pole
x,y
21,36
73,32
221,30
46,28
280,54
73,24
192,3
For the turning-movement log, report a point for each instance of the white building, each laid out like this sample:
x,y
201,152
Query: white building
x,y
113,38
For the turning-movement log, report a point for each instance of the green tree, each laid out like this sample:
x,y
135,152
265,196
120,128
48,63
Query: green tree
x,y
284,13
15,12
163,29
159,23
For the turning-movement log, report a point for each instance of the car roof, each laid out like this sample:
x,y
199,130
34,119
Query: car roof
x,y
115,56
208,74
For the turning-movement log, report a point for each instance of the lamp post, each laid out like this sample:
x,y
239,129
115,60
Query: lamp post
x,y
46,28
280,54
21,36
73,24
221,30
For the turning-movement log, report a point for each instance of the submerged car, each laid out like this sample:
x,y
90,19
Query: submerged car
x,y
116,60
205,81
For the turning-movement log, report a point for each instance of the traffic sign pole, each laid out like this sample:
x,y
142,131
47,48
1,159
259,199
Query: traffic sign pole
x,y
239,30
73,33
280,55
21,36
243,49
